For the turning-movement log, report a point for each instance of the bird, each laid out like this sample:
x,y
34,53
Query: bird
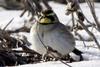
x,y
49,36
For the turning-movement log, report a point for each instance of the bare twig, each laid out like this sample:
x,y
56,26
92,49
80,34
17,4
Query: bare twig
x,y
46,4
8,24
92,24
23,13
91,34
80,38
84,15
22,29
83,25
73,21
93,13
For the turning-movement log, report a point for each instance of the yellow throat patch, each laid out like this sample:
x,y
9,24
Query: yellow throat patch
x,y
45,20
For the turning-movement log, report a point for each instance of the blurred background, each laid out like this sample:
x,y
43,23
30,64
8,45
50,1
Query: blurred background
x,y
18,4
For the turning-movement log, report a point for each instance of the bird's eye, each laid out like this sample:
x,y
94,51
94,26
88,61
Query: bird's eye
x,y
51,17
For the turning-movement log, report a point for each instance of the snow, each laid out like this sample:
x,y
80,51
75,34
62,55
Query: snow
x,y
59,64
91,53
7,15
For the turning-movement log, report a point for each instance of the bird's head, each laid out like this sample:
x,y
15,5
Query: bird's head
x,y
47,17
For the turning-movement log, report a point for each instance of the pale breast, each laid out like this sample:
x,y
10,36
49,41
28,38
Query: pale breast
x,y
58,38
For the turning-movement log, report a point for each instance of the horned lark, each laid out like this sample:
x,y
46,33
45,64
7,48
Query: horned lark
x,y
49,32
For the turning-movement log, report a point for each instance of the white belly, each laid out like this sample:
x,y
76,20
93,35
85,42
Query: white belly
x,y
53,39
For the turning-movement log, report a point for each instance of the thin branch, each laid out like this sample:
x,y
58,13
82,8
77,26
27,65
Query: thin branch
x,y
80,38
83,25
93,24
23,13
73,21
8,24
46,4
91,34
93,13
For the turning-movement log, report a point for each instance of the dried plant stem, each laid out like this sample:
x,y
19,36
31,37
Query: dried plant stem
x,y
23,13
91,34
83,25
46,4
92,9
80,38
73,21
8,24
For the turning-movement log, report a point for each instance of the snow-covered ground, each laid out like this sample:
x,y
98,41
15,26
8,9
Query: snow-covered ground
x,y
59,64
91,52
